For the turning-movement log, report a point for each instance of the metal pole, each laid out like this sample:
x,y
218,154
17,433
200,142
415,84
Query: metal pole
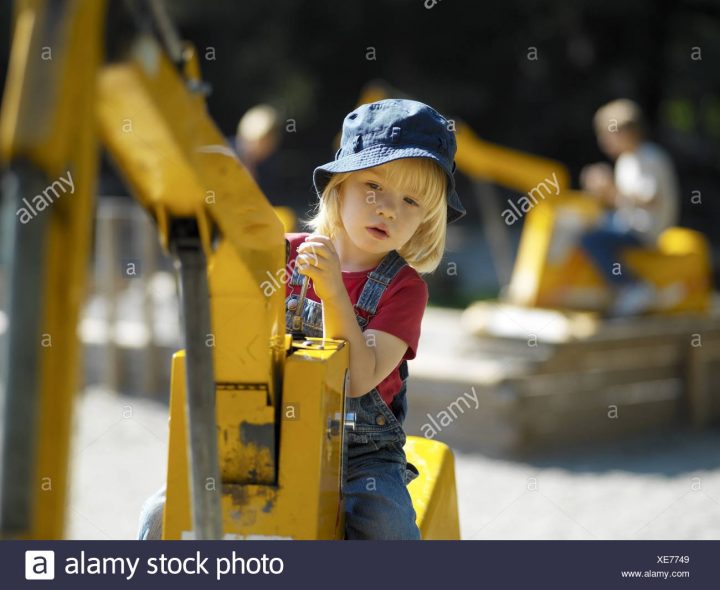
x,y
23,250
200,381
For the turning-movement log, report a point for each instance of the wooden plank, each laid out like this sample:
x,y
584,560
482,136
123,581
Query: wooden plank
x,y
703,393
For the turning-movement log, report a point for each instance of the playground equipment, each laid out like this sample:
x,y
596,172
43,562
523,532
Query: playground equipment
x,y
239,465
549,369
550,270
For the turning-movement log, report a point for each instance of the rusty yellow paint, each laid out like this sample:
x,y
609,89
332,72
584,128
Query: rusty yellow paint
x,y
304,501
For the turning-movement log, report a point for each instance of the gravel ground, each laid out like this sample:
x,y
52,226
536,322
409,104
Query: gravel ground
x,y
119,458
656,487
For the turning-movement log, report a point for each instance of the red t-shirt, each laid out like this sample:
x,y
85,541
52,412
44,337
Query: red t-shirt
x,y
399,311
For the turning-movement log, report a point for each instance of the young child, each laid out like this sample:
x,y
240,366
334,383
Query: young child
x,y
384,204
643,197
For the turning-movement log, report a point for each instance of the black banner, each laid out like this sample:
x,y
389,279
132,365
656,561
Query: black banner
x,y
369,564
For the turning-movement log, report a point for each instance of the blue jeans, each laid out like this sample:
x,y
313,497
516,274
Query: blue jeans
x,y
151,516
605,244
377,503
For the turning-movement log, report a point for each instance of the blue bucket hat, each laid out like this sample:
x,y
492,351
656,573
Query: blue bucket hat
x,y
392,129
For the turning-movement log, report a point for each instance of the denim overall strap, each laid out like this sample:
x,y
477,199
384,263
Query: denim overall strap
x,y
378,281
378,435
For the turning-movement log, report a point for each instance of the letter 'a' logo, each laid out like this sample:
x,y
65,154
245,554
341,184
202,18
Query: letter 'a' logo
x,y
39,565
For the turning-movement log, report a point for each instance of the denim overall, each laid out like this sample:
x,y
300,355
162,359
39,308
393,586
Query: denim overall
x,y
376,471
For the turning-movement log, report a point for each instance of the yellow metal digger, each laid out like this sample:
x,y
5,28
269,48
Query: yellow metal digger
x,y
257,418
550,269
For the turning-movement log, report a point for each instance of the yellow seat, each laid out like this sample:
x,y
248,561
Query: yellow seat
x,y
433,492
551,270
682,255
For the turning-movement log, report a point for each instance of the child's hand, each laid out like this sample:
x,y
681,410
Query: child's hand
x,y
318,260
597,179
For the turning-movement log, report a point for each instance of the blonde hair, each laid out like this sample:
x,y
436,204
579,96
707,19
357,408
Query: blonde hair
x,y
420,177
258,122
623,114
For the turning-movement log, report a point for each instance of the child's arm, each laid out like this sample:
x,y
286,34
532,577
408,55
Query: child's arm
x,y
374,354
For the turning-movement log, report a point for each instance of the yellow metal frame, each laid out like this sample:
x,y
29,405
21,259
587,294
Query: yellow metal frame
x,y
279,476
546,275
47,119
304,503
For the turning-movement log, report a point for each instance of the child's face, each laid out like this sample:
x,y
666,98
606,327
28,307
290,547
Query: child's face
x,y
615,143
368,200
